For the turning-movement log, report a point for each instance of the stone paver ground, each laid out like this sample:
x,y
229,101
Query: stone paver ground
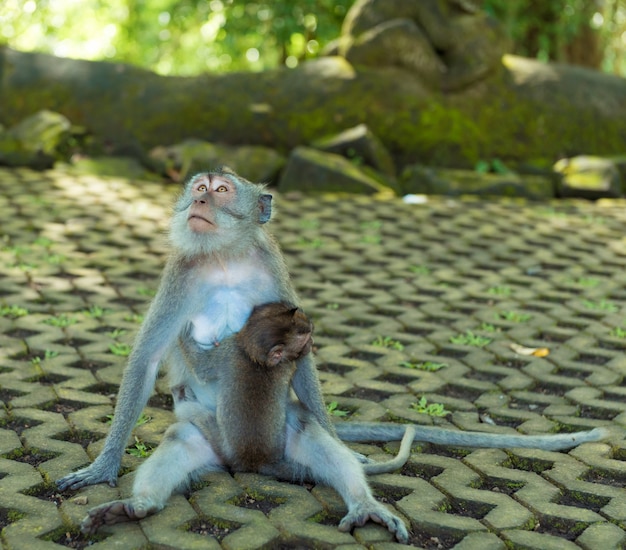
x,y
394,289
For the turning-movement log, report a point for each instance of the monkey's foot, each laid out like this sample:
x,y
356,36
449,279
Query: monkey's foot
x,y
373,511
116,511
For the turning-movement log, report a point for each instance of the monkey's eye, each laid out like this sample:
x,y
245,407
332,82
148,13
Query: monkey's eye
x,y
202,188
222,189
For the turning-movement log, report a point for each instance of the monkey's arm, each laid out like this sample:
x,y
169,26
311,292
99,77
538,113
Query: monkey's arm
x,y
306,384
382,431
164,320
206,364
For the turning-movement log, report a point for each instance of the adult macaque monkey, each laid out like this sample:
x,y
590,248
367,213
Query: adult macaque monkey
x,y
224,263
256,427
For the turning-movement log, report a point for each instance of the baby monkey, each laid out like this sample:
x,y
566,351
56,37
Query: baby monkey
x,y
249,429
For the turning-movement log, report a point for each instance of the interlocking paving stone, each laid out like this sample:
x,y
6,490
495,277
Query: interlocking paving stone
x,y
389,286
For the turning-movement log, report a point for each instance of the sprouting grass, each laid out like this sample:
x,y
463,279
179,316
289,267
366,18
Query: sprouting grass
x,y
431,409
468,338
500,290
602,305
419,270
514,316
334,410
140,449
13,312
120,349
430,366
61,321
387,342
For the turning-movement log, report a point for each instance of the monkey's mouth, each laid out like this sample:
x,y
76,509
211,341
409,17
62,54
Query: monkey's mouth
x,y
198,222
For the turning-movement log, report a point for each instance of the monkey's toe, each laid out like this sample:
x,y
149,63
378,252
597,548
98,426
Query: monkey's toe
x,y
109,513
378,514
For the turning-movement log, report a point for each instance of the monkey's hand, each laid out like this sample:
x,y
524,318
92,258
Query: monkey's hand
x,y
116,511
102,470
374,511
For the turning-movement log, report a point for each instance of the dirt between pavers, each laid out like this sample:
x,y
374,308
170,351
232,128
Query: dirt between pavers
x,y
416,309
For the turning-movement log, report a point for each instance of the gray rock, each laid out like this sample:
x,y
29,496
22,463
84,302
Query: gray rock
x,y
418,179
360,144
37,141
254,162
589,177
309,169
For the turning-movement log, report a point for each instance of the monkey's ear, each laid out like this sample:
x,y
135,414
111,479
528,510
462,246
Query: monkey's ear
x,y
275,355
265,207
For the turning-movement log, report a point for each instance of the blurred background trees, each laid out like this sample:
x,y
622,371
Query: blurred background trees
x,y
187,37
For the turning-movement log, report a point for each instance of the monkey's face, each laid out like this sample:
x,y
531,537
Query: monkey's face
x,y
209,195
219,212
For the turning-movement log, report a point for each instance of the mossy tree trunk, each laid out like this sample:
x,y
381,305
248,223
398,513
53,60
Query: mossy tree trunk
x,y
526,110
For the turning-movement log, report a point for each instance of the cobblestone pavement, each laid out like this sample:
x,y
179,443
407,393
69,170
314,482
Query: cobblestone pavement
x,y
396,291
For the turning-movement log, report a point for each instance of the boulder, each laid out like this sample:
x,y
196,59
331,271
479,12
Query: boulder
x,y
423,180
589,177
311,170
36,141
450,44
361,145
254,162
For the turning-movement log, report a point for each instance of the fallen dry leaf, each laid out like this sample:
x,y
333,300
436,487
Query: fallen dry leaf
x,y
523,350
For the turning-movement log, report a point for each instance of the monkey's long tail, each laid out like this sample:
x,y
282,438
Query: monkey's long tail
x,y
382,431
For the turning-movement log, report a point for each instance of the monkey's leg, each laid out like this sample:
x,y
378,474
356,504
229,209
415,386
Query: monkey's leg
x,y
330,462
183,452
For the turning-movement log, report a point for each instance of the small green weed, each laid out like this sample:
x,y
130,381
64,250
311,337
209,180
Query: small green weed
x,y
371,239
425,365
334,410
514,316
332,306
618,332
419,270
117,333
431,409
47,355
588,282
95,312
602,305
146,291
140,449
13,312
500,290
470,339
120,349
134,318
387,342
60,321
311,243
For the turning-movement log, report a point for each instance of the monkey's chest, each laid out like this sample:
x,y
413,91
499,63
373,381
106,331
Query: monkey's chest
x,y
229,296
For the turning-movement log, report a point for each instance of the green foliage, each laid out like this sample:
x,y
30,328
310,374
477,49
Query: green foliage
x,y
425,365
561,30
120,349
13,312
176,37
334,410
62,320
602,305
431,409
468,338
140,449
387,342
